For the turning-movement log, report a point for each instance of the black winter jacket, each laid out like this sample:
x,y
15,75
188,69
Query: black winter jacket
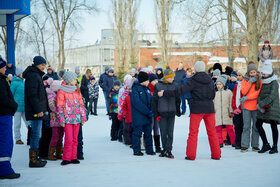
x,y
202,90
36,100
84,88
8,106
165,106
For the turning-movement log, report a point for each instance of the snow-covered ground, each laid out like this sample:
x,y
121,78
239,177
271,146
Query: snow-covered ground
x,y
113,164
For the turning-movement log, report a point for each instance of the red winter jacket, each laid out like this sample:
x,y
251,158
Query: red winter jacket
x,y
127,109
233,103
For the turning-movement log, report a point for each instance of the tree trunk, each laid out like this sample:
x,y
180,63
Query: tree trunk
x,y
252,31
230,35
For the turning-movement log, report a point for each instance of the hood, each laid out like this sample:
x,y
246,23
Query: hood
x,y
34,69
202,78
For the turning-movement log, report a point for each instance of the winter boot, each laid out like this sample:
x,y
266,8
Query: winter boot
x,y
34,161
169,155
58,153
273,149
19,142
138,154
28,135
157,143
11,176
65,162
244,149
162,154
75,161
266,147
255,149
151,153
221,145
51,153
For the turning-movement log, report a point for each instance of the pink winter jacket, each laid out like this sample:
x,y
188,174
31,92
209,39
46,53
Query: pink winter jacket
x,y
52,104
70,107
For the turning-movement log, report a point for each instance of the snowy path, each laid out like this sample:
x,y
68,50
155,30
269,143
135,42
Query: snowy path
x,y
112,164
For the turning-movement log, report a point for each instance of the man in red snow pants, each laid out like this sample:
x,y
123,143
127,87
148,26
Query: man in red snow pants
x,y
203,92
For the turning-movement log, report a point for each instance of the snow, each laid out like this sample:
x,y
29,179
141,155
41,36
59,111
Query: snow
x,y
112,163
185,53
224,60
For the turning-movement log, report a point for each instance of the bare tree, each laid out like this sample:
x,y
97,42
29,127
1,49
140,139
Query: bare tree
x,y
163,11
125,17
62,13
3,36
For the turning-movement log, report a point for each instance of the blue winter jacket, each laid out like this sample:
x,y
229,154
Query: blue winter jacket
x,y
187,95
17,89
141,105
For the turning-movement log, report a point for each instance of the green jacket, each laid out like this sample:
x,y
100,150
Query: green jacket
x,y
269,99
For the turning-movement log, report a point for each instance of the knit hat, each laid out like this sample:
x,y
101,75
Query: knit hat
x,y
110,71
267,67
143,76
92,78
37,60
2,63
217,72
151,68
222,79
139,69
229,70
127,76
69,76
168,73
117,83
127,82
133,70
77,68
266,42
152,77
49,68
199,66
54,84
233,74
107,68
242,71
251,67
218,66
19,71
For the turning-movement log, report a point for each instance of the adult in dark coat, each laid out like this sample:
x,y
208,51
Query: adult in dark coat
x,y
202,90
50,74
141,113
8,107
101,82
84,86
108,83
180,74
11,69
36,106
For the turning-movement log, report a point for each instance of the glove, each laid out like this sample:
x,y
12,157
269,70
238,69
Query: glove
x,y
252,79
231,115
237,111
151,114
243,99
260,109
158,118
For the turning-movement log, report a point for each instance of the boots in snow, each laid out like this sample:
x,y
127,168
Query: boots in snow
x,y
255,149
138,154
151,153
11,176
273,149
266,147
34,161
75,161
65,162
19,142
169,154
163,153
51,153
157,143
58,153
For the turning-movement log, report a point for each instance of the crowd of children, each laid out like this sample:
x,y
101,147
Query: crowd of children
x,y
233,104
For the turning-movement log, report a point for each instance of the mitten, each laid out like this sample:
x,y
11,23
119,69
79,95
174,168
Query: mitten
x,y
260,109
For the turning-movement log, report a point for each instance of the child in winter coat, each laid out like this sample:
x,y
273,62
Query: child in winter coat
x,y
223,110
268,107
57,130
113,104
93,91
17,89
141,112
233,80
237,110
250,89
165,109
71,113
155,124
124,112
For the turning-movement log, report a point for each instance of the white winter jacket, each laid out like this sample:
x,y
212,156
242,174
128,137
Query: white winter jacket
x,y
223,107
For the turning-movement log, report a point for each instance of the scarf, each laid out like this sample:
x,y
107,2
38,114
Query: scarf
x,y
238,94
67,88
268,80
